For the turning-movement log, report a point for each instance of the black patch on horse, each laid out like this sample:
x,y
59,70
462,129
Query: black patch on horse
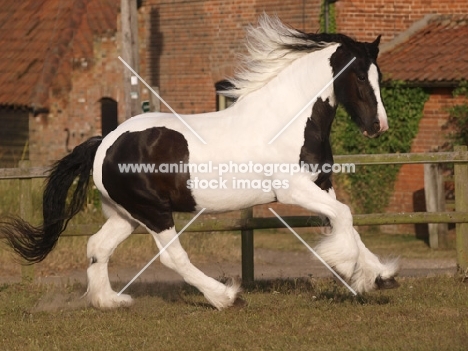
x,y
317,149
149,197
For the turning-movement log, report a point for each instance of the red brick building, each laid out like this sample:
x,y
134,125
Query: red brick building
x,y
61,77
431,54
53,73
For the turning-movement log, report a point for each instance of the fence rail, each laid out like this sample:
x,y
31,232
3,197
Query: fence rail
x,y
458,156
247,223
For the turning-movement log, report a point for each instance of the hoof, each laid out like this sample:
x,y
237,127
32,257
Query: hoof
x,y
225,296
389,283
110,300
239,303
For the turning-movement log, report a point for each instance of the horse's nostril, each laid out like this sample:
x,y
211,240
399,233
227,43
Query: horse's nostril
x,y
377,126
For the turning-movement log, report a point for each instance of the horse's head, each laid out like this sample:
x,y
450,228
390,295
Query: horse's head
x,y
358,86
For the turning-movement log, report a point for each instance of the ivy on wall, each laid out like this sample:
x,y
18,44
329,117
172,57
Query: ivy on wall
x,y
370,187
458,117
331,17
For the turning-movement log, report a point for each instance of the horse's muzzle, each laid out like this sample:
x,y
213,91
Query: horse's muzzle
x,y
372,136
376,130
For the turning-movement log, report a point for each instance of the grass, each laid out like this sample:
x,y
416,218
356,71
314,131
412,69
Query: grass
x,y
304,314
424,314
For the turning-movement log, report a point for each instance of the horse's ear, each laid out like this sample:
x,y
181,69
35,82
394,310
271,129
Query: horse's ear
x,y
373,48
376,42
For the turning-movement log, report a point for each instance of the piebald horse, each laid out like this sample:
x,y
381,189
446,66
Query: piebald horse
x,y
283,71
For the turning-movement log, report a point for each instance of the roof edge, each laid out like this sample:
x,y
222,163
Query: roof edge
x,y
31,109
405,35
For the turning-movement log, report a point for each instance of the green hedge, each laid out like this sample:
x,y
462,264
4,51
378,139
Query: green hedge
x,y
458,120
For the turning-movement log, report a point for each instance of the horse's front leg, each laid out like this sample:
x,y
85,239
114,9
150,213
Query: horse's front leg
x,y
342,248
371,272
339,248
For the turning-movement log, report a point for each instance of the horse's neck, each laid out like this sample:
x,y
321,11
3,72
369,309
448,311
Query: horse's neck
x,y
279,101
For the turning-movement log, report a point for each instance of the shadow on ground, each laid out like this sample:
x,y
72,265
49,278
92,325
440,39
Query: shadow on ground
x,y
67,297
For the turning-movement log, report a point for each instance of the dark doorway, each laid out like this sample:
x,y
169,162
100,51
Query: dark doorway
x,y
109,115
14,136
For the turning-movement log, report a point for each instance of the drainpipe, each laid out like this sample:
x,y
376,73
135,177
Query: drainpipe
x,y
327,13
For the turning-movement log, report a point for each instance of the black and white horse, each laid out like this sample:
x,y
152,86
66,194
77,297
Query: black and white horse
x,y
283,71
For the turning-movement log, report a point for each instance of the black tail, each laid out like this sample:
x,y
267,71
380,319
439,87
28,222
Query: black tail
x,y
34,243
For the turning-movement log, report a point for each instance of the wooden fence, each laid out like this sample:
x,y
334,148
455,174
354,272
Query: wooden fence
x,y
247,223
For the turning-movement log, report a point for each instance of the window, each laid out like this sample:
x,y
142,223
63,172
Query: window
x,y
223,102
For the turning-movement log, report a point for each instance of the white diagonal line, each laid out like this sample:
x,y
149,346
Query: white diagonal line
x,y
161,251
311,101
313,251
162,100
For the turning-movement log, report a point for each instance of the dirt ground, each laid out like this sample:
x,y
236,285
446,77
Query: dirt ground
x,y
269,264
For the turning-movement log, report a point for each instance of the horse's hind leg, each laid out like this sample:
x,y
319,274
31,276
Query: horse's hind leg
x,y
175,257
100,247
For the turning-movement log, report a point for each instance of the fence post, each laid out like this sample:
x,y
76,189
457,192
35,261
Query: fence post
x,y
461,205
26,213
247,249
434,192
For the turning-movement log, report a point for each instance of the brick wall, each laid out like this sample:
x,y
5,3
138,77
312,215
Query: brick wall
x,y
408,195
195,44
79,111
366,19
191,45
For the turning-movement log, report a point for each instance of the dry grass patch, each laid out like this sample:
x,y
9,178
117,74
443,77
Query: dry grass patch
x,y
424,314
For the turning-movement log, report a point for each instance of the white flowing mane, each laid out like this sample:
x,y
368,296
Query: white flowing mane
x,y
271,47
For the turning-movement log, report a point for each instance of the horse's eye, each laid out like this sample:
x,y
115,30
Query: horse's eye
x,y
361,78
